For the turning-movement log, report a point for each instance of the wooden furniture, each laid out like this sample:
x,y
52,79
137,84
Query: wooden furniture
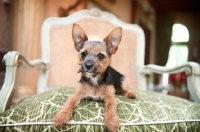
x,y
58,76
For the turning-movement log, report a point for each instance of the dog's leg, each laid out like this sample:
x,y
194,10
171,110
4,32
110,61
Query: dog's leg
x,y
126,91
111,120
64,115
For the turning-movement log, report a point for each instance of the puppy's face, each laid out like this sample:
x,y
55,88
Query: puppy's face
x,y
94,58
95,55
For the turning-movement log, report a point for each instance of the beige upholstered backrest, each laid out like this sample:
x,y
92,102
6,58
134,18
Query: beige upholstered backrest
x,y
58,48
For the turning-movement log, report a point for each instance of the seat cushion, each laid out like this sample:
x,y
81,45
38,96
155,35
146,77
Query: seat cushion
x,y
150,111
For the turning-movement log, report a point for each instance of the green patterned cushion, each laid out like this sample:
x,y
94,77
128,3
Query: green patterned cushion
x,y
148,112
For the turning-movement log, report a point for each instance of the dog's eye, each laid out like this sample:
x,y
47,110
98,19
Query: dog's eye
x,y
83,55
100,56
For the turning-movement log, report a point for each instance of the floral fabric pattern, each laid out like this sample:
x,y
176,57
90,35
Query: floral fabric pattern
x,y
150,111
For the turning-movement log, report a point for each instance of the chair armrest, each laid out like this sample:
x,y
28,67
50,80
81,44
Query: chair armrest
x,y
192,70
13,60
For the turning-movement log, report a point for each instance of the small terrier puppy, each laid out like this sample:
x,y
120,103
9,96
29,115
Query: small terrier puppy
x,y
99,81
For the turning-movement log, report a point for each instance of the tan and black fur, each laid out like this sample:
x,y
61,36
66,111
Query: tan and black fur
x,y
99,81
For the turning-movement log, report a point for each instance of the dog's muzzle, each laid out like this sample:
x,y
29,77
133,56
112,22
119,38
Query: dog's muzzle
x,y
89,66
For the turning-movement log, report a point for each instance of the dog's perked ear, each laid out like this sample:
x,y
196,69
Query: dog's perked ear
x,y
79,36
113,40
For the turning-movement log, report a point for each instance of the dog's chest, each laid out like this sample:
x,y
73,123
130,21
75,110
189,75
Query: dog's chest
x,y
94,98
93,80
95,94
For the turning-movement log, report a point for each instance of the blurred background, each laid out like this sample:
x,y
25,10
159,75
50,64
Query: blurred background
x,y
171,28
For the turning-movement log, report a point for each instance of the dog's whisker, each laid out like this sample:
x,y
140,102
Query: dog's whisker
x,y
80,70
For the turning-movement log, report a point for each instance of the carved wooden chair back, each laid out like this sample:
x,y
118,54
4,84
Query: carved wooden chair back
x,y
62,58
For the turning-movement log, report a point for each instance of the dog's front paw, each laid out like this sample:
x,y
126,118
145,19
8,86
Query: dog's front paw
x,y
112,123
61,119
130,95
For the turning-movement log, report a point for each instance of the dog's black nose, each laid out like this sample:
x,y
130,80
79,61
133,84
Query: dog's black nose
x,y
89,65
